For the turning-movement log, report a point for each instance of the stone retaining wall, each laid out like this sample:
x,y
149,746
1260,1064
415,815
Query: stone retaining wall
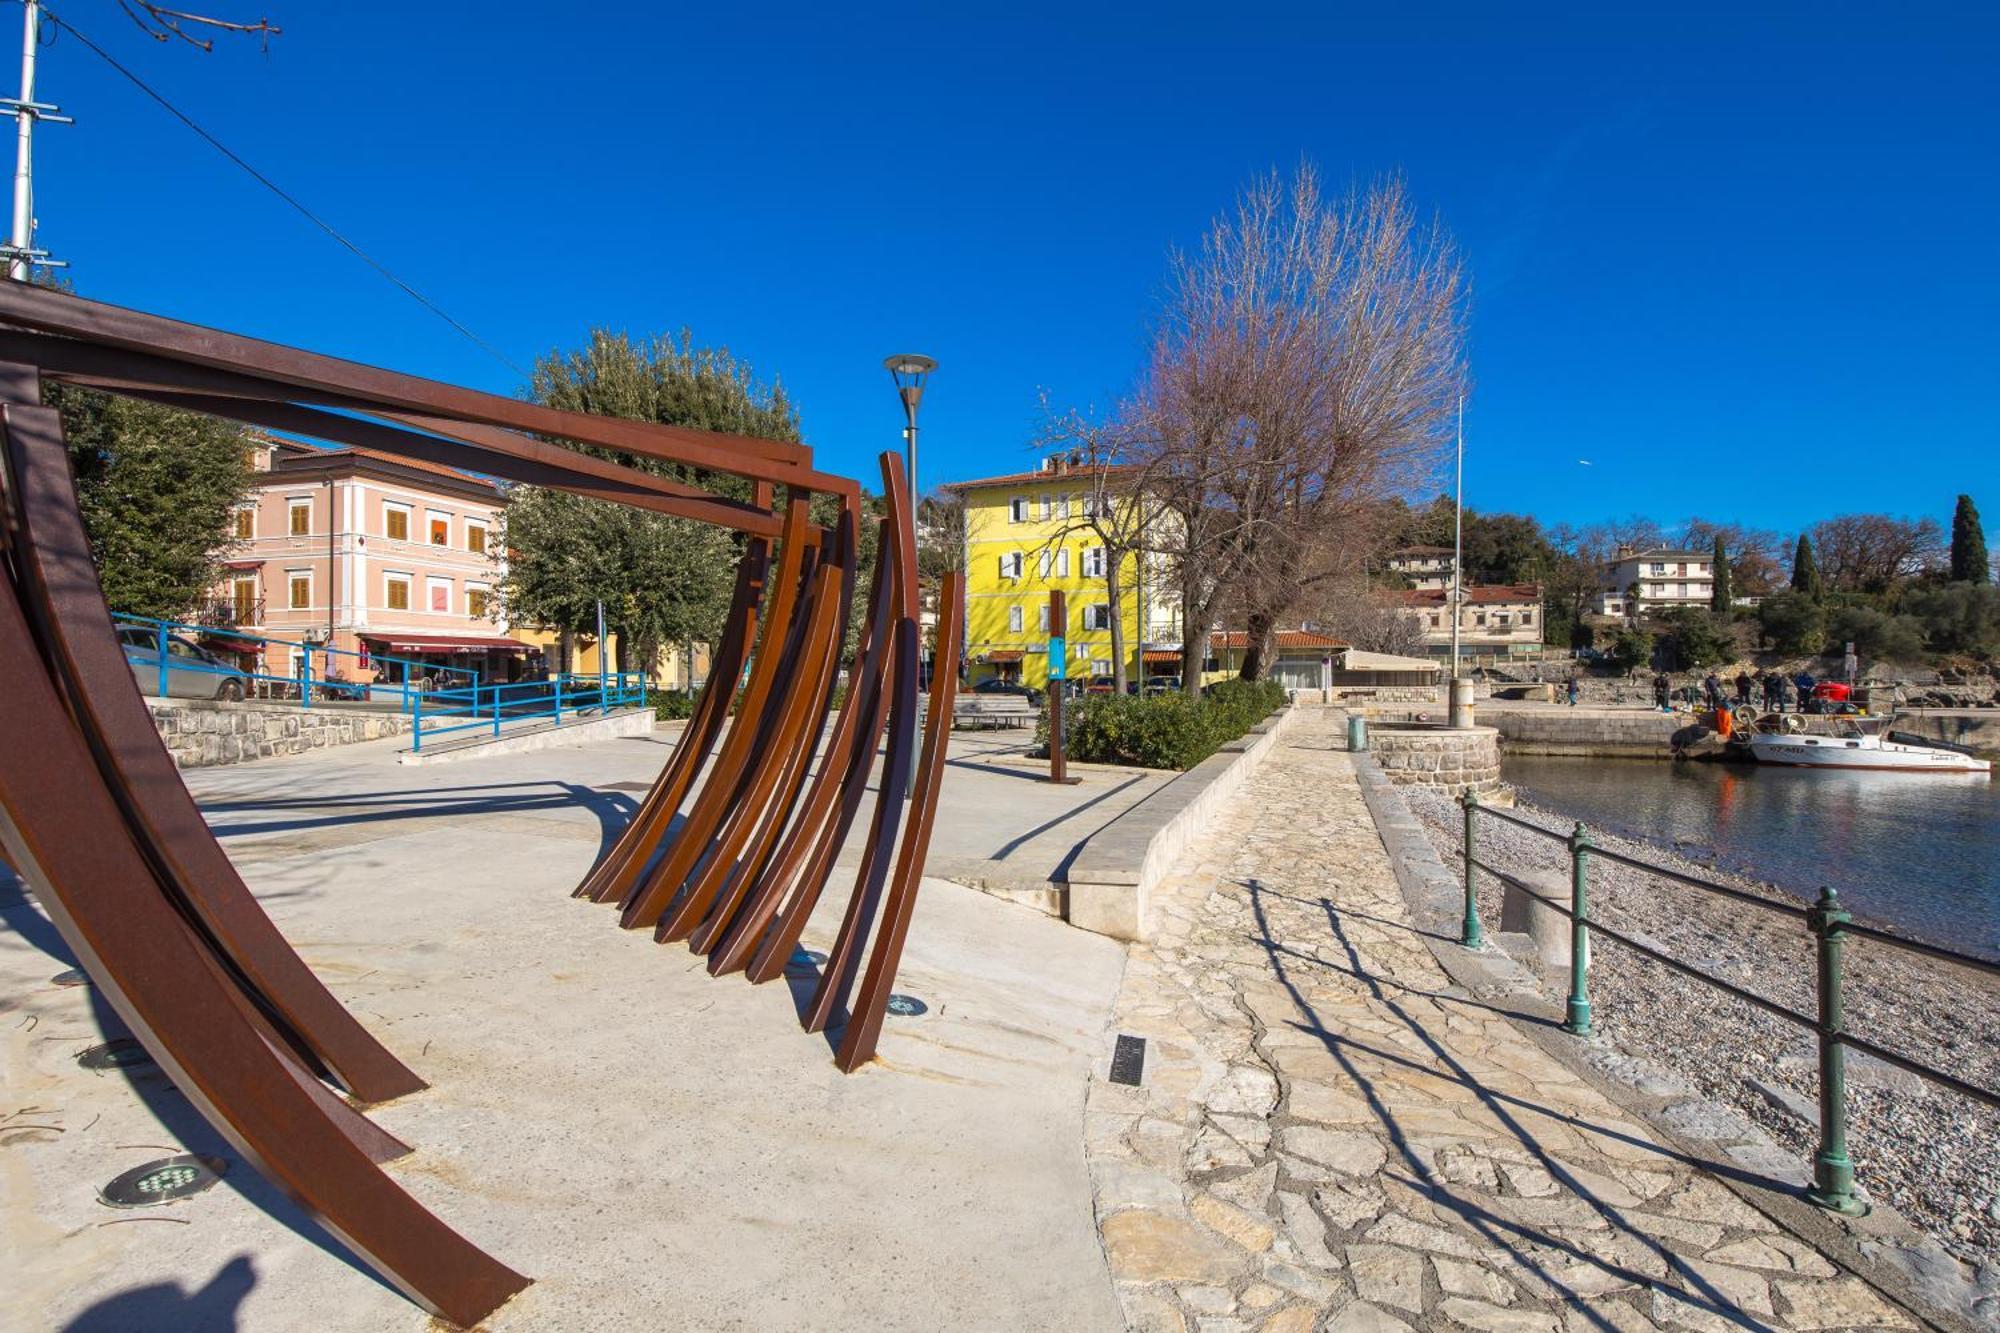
x,y
1437,757
1108,885
1587,732
201,733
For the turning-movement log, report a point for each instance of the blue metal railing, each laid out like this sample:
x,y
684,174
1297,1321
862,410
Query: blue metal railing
x,y
315,678
435,713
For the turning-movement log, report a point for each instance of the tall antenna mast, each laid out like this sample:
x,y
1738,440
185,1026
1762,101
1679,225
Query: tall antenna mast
x,y
22,256
1458,543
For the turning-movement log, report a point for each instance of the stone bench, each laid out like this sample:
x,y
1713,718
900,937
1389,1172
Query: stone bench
x,y
1004,710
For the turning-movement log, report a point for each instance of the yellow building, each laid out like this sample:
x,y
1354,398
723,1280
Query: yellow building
x,y
1028,534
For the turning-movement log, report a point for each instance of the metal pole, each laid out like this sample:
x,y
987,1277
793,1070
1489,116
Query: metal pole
x,y
602,648
916,505
1578,1019
1469,934
1833,1169
23,234
1058,677
1458,543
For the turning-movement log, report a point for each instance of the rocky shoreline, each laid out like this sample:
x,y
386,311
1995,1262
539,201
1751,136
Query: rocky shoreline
x,y
1932,1154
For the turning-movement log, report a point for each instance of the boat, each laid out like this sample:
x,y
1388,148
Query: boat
x,y
1854,747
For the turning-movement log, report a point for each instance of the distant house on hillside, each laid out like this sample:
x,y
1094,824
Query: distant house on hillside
x,y
1423,566
1640,583
1494,617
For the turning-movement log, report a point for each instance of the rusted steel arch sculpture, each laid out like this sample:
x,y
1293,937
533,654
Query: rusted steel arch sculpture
x,y
93,814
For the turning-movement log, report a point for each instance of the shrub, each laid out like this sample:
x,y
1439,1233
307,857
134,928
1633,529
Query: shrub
x,y
1631,648
1792,622
1697,640
1875,634
1960,618
1164,731
673,705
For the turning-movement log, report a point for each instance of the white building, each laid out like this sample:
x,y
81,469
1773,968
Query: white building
x,y
1643,582
1426,567
1493,617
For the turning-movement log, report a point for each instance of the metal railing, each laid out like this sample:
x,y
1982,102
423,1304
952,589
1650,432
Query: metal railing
x,y
435,713
225,611
1827,922
314,679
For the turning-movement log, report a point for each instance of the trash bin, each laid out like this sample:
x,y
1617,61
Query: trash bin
x,y
1357,733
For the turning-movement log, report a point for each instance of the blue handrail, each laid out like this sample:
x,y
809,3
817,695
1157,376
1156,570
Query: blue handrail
x,y
307,681
478,707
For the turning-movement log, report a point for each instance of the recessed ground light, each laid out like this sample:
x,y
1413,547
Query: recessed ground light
x,y
76,976
906,1006
118,1053
163,1181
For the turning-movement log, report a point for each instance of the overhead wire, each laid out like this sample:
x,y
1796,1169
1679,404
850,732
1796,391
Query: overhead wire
x,y
284,194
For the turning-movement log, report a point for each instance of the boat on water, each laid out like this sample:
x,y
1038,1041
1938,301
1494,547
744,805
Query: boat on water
x,y
1856,747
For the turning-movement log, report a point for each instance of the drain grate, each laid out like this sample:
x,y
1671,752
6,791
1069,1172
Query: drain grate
x,y
1128,1060
906,1006
163,1181
118,1053
76,976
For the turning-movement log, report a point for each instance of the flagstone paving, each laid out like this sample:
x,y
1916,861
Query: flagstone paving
x,y
1329,1136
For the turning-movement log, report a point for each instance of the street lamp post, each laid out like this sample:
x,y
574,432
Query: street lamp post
x,y
910,370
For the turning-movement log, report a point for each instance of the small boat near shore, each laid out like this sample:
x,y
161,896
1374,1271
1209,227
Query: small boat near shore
x,y
1854,747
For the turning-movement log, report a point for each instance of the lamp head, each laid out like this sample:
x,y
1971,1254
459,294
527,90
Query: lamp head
x,y
909,370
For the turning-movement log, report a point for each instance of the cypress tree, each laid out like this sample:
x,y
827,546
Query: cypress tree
x,y
1719,598
1968,545
1805,574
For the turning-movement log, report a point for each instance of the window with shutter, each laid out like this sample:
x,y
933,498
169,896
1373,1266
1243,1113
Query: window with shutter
x,y
1013,620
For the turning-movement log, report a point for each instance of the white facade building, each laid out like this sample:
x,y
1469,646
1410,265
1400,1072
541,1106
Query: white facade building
x,y
1643,582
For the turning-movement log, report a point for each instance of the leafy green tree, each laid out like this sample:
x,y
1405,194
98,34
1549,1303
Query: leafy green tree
x,y
1969,563
1875,634
1805,573
662,580
1697,639
1631,648
1792,622
155,488
1719,598
1960,617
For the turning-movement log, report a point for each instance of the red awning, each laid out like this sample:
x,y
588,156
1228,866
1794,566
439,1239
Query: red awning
x,y
1004,655
1160,657
449,643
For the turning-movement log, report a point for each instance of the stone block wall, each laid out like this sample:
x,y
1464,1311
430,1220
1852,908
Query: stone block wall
x,y
201,733
1589,732
1437,757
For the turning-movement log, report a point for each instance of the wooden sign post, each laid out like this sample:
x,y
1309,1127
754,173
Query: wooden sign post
x,y
1058,677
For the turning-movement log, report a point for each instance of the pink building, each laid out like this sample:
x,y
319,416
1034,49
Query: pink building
x,y
373,554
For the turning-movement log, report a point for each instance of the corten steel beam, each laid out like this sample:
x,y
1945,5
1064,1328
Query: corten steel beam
x,y
100,827
55,568
857,1044
804,877
64,834
612,877
742,873
464,445
649,899
91,321
844,957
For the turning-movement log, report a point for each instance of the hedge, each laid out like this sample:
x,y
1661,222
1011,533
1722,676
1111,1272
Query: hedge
x,y
1170,730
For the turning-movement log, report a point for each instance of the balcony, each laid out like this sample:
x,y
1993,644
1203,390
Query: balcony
x,y
227,611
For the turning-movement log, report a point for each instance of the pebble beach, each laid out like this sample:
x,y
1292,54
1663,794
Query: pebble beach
x,y
1929,1152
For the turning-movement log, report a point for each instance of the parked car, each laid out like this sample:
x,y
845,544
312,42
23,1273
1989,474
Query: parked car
x,y
1162,685
999,685
193,672
1100,685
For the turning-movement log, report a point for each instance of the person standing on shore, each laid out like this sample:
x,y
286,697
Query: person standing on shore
x,y
1786,695
1774,695
1711,685
1663,690
1743,687
1572,689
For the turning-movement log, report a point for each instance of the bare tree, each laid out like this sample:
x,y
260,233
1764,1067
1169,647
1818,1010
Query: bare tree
x,y
1873,552
1306,366
1359,612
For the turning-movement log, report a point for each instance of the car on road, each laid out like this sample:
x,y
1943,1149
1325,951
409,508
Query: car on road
x,y
1100,685
998,685
1161,685
192,672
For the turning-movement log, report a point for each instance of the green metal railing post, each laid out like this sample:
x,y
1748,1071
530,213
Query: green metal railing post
x,y
1469,934
305,675
558,700
416,721
496,707
1833,1169
160,647
1578,1019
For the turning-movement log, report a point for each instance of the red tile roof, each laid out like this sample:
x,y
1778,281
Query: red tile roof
x,y
1287,638
1476,594
1081,473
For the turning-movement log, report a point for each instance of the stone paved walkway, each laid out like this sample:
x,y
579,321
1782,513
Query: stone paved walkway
x,y
1329,1136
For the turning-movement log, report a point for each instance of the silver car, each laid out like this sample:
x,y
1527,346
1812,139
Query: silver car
x,y
192,672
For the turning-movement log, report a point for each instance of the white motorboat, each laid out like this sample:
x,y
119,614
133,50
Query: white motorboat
x,y
1862,749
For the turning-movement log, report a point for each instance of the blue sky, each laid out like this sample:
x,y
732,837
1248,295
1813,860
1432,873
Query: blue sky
x,y
1742,258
